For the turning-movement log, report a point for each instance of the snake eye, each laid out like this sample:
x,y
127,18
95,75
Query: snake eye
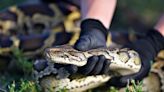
x,y
40,65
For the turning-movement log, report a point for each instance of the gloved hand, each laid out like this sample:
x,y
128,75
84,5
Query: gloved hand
x,y
93,35
147,48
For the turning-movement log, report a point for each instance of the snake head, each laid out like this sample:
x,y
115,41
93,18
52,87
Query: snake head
x,y
65,55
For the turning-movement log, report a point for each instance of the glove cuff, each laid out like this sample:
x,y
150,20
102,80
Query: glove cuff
x,y
89,24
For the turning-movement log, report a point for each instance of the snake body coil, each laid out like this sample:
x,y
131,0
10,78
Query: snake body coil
x,y
123,62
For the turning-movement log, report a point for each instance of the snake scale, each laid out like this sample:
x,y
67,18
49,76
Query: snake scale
x,y
123,62
52,76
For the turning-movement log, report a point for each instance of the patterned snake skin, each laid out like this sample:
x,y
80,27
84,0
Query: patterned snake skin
x,y
25,24
34,27
52,76
123,62
20,26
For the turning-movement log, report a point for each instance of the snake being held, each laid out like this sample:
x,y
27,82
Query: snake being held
x,y
54,76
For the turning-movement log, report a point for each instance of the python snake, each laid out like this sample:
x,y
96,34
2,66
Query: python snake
x,y
39,23
16,19
34,27
123,62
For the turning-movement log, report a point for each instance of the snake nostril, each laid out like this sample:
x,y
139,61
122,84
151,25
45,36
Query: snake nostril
x,y
40,65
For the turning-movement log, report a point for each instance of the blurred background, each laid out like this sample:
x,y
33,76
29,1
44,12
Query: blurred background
x,y
27,27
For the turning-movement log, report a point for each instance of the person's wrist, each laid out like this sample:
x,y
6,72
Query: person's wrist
x,y
160,25
160,30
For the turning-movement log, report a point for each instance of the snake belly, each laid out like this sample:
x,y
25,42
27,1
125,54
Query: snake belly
x,y
123,62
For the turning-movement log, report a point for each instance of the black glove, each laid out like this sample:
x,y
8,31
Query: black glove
x,y
93,35
95,65
148,48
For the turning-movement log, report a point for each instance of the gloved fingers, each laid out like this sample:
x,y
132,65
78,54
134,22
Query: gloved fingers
x,y
89,66
99,65
88,42
71,68
117,82
83,44
147,48
105,68
122,81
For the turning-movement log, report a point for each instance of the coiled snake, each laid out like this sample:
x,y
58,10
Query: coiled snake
x,y
123,62
16,20
51,75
